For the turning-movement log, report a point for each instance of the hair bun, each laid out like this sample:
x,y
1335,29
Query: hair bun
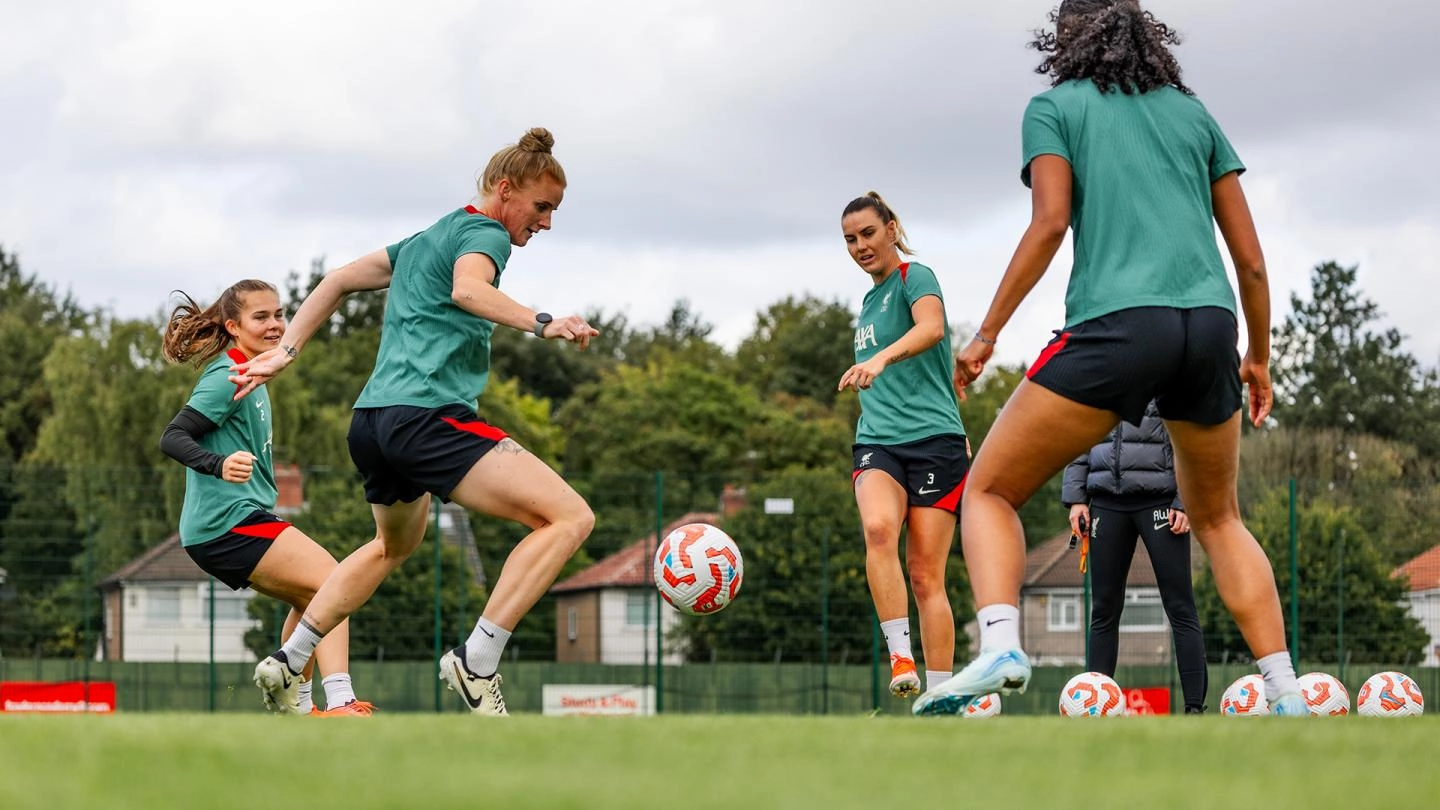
x,y
537,139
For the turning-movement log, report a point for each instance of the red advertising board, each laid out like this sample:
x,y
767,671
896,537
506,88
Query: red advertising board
x,y
62,698
1147,700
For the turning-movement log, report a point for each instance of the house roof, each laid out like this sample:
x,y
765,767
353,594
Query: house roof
x,y
628,567
1053,565
1423,570
166,562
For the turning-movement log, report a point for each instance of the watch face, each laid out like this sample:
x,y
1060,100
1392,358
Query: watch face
x,y
543,317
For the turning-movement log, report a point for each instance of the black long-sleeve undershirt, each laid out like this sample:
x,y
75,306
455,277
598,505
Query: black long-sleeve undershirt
x,y
181,441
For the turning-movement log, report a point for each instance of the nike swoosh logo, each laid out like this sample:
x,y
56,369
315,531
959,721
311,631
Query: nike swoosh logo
x,y
995,621
923,491
285,677
487,632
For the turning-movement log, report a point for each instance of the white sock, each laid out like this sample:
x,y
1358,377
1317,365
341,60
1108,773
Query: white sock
x,y
1279,675
306,702
934,679
999,627
300,646
338,690
484,647
897,636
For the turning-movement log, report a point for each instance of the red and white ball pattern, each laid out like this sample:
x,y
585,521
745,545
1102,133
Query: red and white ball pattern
x,y
1389,694
1325,695
1245,697
983,706
698,569
1092,694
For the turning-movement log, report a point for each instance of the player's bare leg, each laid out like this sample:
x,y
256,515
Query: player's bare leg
x,y
881,502
511,483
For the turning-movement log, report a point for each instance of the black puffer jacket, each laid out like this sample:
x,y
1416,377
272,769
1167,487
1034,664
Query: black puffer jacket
x,y
1134,468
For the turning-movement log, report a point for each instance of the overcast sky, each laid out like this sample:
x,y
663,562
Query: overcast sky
x,y
149,145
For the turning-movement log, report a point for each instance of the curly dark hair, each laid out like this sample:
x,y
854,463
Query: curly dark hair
x,y
1114,43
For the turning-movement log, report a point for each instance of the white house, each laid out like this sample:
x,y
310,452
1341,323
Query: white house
x,y
157,608
1423,573
1052,609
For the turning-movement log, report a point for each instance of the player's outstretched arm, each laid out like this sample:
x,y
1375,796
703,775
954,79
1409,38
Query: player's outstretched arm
x,y
369,272
929,329
1050,186
475,292
1237,227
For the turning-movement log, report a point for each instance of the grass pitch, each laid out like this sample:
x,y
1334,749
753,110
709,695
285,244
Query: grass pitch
x,y
702,761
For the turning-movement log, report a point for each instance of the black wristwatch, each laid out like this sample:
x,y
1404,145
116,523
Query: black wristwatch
x,y
542,320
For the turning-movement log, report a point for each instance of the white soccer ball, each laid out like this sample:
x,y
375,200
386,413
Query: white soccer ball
x,y
1245,697
698,569
1325,695
1389,694
1092,694
984,706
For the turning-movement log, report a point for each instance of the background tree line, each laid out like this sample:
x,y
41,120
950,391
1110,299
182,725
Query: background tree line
x,y
84,488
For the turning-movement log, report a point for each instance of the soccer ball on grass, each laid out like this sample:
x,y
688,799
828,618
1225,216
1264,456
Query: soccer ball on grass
x,y
1092,694
1245,697
983,706
1389,694
1324,695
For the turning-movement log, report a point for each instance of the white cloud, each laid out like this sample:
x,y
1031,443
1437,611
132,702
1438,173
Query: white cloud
x,y
710,147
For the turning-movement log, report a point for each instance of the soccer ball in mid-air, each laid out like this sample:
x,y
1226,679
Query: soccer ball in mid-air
x,y
1092,694
1324,695
698,569
1389,694
1245,697
983,706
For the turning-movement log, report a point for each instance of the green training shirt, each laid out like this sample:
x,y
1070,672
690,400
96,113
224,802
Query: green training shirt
x,y
913,398
432,352
1141,211
212,506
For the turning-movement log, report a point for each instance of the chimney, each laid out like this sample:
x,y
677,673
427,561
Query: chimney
x,y
732,500
290,489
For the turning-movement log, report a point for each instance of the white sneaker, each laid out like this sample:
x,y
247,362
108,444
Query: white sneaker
x,y
482,695
1002,671
279,685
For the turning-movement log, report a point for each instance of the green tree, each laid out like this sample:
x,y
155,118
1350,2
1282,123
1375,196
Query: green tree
x,y
1339,569
700,429
107,493
41,604
114,394
684,337
800,348
38,540
1332,370
553,369
32,317
1393,491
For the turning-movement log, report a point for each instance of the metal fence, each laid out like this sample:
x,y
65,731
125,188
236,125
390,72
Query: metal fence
x,y
95,587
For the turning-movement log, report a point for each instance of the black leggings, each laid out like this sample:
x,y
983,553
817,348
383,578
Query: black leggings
x,y
1112,546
